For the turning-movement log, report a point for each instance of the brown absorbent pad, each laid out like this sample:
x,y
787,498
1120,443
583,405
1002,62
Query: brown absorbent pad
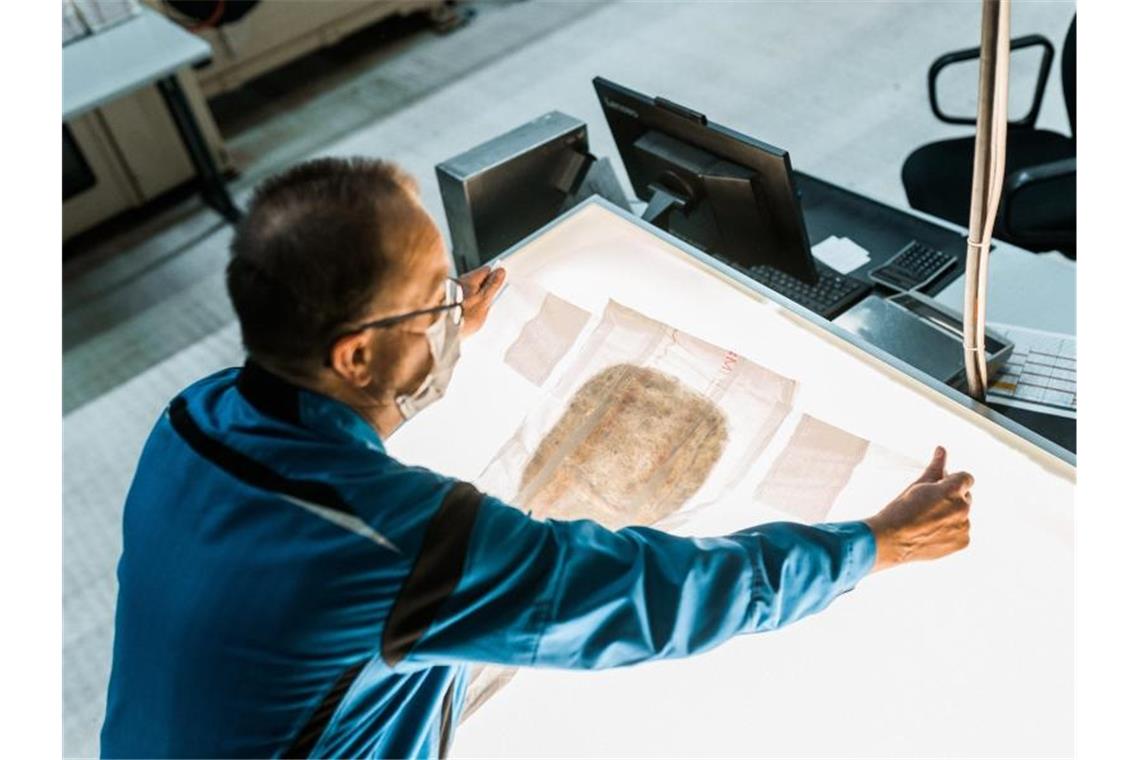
x,y
632,447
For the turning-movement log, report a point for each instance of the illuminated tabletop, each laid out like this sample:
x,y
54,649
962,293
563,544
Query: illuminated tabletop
x,y
968,656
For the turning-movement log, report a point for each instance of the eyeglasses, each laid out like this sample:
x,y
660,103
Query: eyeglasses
x,y
452,309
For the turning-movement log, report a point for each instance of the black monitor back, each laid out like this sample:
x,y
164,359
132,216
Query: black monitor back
x,y
735,196
497,193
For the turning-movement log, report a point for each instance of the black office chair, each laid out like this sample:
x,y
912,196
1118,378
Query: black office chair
x,y
1039,196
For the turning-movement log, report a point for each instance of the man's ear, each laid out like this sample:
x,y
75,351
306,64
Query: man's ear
x,y
351,358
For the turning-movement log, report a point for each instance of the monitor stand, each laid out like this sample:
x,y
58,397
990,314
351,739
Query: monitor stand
x,y
661,205
597,178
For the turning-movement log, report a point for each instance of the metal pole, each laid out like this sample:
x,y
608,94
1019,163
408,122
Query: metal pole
x,y
985,195
213,186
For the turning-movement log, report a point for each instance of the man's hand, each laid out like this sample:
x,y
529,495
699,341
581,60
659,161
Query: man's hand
x,y
479,290
928,520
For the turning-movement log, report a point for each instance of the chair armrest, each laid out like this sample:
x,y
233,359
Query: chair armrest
x,y
1059,180
969,54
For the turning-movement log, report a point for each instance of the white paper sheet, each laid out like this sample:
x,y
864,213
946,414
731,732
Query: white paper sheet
x,y
1042,373
1024,289
841,254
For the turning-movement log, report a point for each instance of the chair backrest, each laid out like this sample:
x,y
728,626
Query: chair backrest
x,y
1069,74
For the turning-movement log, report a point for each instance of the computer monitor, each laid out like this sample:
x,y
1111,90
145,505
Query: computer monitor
x,y
497,193
727,193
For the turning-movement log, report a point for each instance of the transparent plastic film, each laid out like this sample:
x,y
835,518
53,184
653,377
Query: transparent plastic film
x,y
644,425
546,337
821,464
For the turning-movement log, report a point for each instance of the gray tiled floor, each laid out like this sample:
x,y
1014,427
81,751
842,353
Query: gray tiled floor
x,y
841,85
276,120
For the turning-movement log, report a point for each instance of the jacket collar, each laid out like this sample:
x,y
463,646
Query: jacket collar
x,y
276,397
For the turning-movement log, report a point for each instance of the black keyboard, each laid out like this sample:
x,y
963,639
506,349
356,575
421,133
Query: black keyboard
x,y
830,297
911,268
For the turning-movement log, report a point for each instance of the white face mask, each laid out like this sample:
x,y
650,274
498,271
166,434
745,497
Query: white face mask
x,y
443,342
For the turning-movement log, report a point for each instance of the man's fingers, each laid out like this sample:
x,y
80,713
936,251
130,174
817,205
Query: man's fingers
x,y
936,469
474,280
483,283
477,299
494,282
959,482
480,286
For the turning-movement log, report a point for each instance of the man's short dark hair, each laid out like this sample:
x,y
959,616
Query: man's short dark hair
x,y
312,251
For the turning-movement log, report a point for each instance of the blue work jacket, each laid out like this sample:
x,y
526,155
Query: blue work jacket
x,y
288,589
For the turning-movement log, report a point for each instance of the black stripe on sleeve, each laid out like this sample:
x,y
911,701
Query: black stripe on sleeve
x,y
435,573
315,726
249,470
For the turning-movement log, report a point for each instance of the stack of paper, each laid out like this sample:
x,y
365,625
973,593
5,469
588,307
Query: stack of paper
x,y
841,254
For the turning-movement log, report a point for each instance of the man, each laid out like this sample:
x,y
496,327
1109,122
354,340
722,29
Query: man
x,y
288,589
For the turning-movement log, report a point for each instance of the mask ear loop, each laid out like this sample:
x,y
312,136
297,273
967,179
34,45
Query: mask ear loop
x,y
441,336
460,296
338,336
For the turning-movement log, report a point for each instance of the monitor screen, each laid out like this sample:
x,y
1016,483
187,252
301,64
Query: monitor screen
x,y
725,192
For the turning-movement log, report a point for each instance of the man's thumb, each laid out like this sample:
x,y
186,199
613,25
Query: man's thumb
x,y
934,471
